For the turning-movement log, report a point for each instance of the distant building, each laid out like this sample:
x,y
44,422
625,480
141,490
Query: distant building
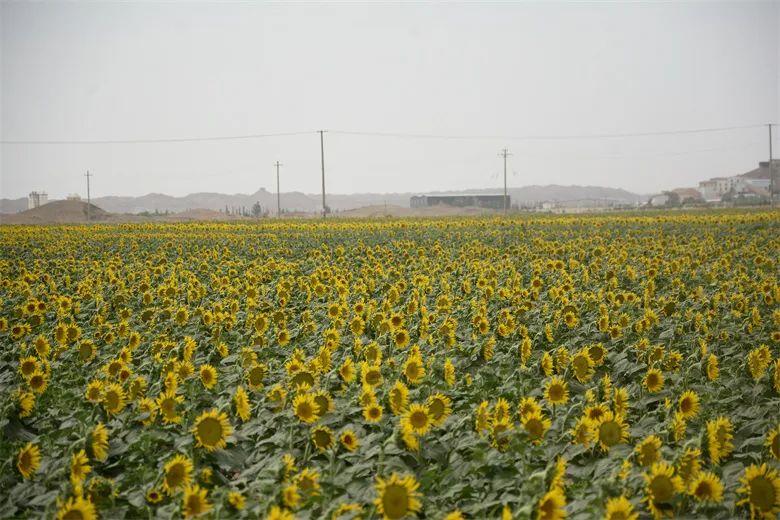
x,y
752,182
37,199
659,200
73,196
688,195
461,201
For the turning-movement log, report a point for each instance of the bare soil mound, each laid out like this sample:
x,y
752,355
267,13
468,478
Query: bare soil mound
x,y
58,212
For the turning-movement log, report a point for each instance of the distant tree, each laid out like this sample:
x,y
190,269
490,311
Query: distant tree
x,y
673,198
257,209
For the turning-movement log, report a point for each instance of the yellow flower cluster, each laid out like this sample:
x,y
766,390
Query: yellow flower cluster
x,y
599,366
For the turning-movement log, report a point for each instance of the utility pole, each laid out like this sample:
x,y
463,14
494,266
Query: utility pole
x,y
771,170
278,200
322,160
504,153
89,203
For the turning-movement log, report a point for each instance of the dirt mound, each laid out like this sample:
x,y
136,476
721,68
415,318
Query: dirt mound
x,y
58,212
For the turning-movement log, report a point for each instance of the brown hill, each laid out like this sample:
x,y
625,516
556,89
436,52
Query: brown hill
x,y
58,212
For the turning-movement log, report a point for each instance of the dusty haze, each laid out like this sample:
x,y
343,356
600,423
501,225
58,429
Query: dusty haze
x,y
89,71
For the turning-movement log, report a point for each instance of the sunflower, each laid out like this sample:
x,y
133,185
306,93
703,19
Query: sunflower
x,y
241,400
153,496
371,374
620,508
654,380
706,487
166,403
305,408
552,505
398,398
397,496
302,378
761,487
38,381
99,442
661,486
449,372
414,370
236,500
28,460
177,474
773,442
501,410
322,436
347,370
77,508
401,338
149,407
372,412
499,431
536,425
688,404
416,419
597,353
439,408
528,405
611,430
308,481
583,366
28,366
719,439
582,431
324,402
255,375
713,370
208,376
113,398
648,451
595,412
556,391
25,403
195,502
211,430
689,465
291,496
349,440
482,418
79,468
278,513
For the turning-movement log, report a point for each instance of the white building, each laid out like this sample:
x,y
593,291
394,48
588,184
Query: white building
x,y
37,199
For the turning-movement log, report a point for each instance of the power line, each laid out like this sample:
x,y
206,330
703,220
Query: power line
x,y
171,140
529,137
546,137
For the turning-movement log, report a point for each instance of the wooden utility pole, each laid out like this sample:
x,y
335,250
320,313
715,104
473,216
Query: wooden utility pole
x,y
278,197
504,153
771,170
89,202
322,161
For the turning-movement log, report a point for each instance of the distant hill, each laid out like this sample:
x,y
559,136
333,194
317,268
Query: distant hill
x,y
301,202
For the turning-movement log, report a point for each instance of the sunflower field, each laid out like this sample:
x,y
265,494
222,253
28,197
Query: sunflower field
x,y
610,366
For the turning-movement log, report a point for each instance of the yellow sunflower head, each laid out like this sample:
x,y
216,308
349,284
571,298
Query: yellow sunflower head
x,y
397,496
211,430
761,491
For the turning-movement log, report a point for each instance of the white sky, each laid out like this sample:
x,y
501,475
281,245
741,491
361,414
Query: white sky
x,y
99,71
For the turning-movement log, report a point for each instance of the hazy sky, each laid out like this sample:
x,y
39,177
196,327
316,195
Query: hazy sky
x,y
99,71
